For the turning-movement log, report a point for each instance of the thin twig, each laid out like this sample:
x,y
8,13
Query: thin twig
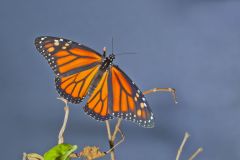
x,y
186,136
61,133
171,90
24,156
108,129
112,137
116,129
111,143
119,142
196,153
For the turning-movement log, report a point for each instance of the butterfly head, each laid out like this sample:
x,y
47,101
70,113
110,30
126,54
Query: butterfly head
x,y
111,57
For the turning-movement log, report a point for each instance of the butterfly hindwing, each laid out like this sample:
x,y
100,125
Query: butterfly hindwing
x,y
98,104
128,102
66,57
75,87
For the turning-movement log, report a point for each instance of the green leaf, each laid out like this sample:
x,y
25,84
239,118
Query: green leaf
x,y
60,152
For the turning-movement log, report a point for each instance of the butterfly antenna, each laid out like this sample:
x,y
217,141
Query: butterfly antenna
x,y
125,53
112,45
122,53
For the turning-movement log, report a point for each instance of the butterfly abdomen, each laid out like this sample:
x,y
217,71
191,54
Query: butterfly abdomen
x,y
103,68
95,82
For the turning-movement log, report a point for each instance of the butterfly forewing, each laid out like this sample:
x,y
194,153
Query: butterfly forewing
x,y
128,102
66,57
75,65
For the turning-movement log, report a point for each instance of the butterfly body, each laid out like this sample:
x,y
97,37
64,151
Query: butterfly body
x,y
105,66
81,71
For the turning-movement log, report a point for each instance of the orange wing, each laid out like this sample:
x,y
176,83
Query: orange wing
x,y
66,57
74,64
98,104
128,102
75,87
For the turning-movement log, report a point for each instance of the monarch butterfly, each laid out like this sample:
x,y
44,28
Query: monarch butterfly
x,y
81,71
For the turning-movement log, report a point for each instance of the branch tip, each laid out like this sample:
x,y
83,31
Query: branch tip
x,y
195,154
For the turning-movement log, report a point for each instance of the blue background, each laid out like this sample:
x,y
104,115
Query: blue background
x,y
191,45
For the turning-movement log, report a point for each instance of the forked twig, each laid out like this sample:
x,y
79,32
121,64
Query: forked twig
x,y
111,137
180,149
61,133
119,142
111,143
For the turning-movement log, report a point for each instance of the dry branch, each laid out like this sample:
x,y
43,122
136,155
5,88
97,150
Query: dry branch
x,y
61,133
112,137
199,150
186,136
93,152
180,149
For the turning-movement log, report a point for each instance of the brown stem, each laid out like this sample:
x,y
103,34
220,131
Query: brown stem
x,y
112,137
111,143
119,142
194,155
171,90
116,129
186,136
61,133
